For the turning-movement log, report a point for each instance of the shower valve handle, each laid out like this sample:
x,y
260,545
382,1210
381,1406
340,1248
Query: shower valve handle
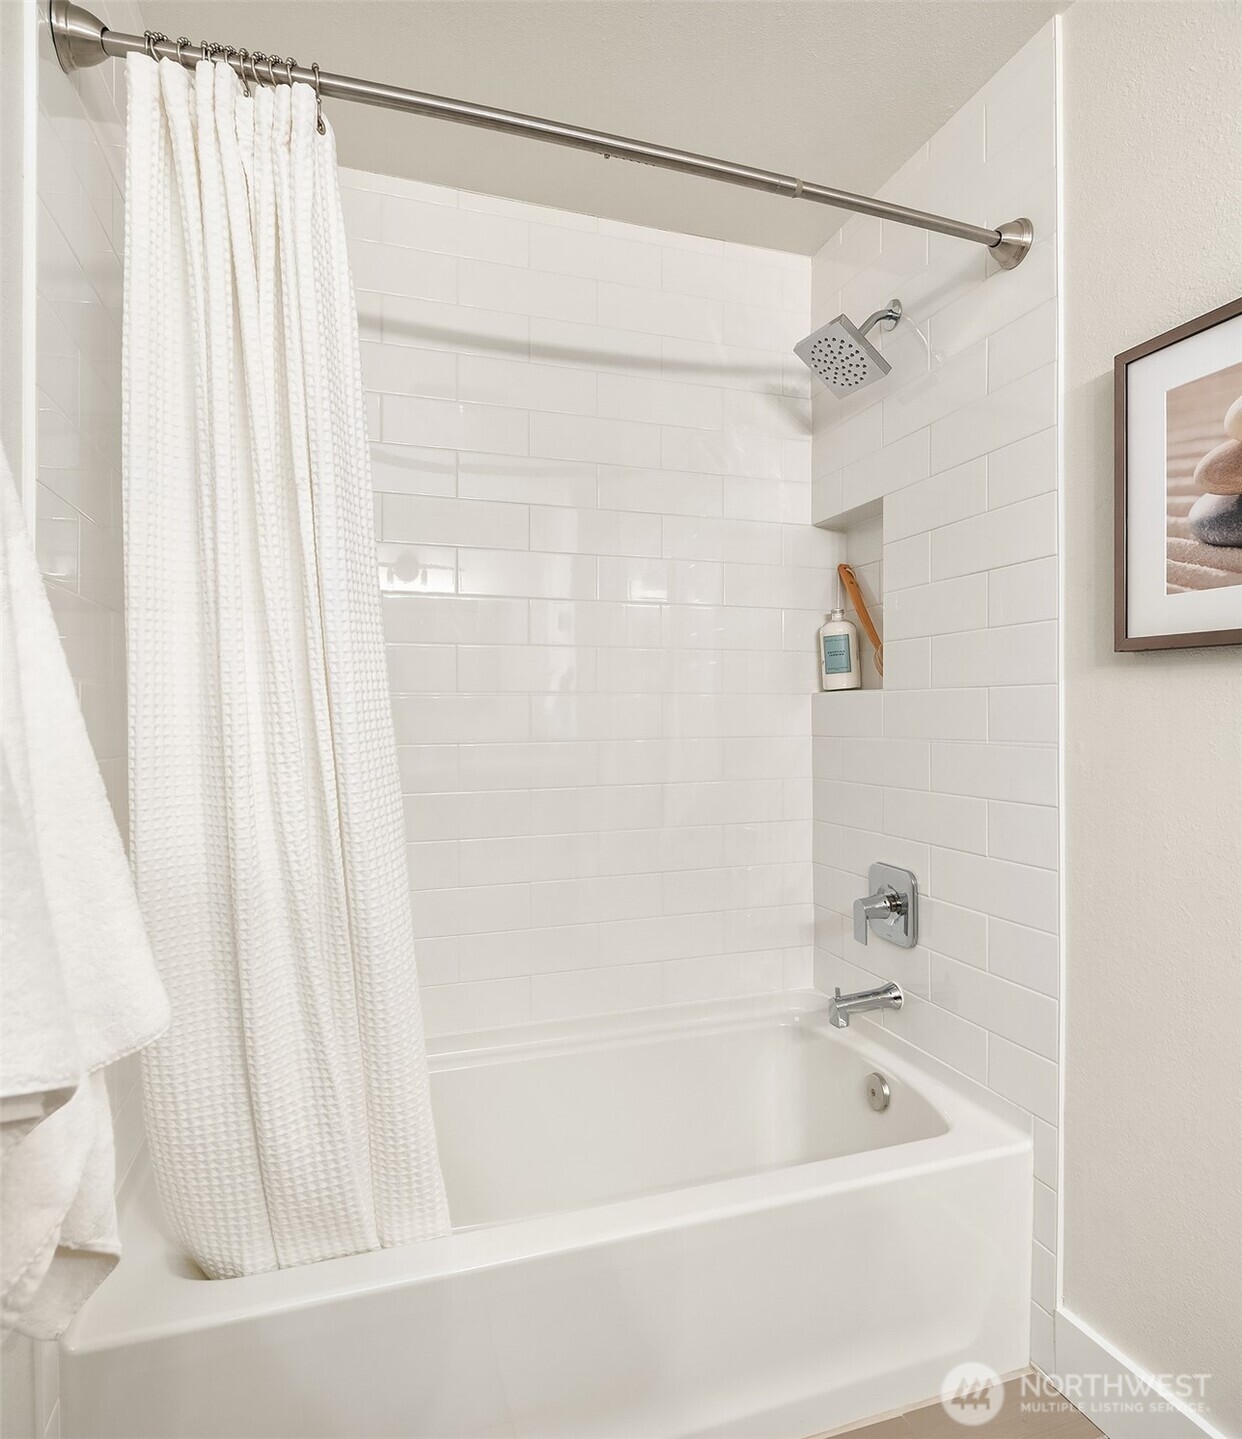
x,y
891,909
881,905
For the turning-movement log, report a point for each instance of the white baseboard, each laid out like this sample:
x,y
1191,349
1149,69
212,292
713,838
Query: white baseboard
x,y
1120,1397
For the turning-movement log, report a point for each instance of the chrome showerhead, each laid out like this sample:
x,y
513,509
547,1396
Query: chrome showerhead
x,y
842,356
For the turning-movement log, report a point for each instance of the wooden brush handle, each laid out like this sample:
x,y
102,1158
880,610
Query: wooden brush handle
x,y
850,580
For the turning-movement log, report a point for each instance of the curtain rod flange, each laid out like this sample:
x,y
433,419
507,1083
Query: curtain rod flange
x,y
1016,239
77,36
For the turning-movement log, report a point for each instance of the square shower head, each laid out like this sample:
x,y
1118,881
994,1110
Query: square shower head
x,y
842,357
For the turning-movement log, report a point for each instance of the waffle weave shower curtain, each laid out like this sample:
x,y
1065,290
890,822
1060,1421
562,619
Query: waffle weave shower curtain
x,y
287,1107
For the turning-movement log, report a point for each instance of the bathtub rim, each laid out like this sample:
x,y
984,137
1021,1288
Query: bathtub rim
x,y
148,1300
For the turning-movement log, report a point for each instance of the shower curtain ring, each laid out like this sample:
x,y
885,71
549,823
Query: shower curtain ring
x,y
290,62
271,72
204,52
319,125
255,78
181,40
242,57
150,38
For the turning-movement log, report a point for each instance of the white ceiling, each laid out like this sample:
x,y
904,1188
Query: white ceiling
x,y
836,91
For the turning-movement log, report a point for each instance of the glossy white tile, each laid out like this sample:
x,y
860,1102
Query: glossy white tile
x,y
565,251
1023,713
660,402
596,991
1025,773
594,531
1023,345
662,492
406,370
522,384
1024,1077
413,469
510,288
602,348
690,317
418,669
603,441
1020,408
454,718
421,225
594,622
392,270
522,575
460,329
1008,536
954,821
448,424
1016,1013
1009,655
939,608
1020,893
415,519
525,668
1025,956
1027,833
452,619
520,478
1022,470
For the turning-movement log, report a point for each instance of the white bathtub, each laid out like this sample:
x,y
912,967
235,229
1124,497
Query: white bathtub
x,y
684,1222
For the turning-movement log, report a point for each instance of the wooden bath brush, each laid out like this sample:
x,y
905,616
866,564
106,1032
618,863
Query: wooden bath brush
x,y
850,580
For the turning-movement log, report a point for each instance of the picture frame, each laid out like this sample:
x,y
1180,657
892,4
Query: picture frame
x,y
1178,486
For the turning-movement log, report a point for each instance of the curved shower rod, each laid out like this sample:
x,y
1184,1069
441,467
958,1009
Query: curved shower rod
x,y
82,39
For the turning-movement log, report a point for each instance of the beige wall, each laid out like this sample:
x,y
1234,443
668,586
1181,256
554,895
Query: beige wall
x,y
1153,997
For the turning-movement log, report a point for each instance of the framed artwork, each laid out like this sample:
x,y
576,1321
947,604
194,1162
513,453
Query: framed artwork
x,y
1178,444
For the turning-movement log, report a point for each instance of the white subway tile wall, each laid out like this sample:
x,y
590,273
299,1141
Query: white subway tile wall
x,y
80,228
80,219
601,593
951,767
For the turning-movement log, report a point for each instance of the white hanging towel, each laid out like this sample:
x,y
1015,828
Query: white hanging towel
x,y
288,1107
80,989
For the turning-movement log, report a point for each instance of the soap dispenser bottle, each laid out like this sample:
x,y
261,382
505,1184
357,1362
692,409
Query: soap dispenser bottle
x,y
838,654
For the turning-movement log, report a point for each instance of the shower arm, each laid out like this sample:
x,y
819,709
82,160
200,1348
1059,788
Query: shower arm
x,y
888,316
81,39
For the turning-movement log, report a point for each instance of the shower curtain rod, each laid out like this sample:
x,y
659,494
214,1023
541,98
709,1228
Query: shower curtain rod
x,y
81,39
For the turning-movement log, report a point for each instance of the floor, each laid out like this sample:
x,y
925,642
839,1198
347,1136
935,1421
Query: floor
x,y
1033,1413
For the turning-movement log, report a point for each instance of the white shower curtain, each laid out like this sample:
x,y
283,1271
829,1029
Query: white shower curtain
x,y
288,1111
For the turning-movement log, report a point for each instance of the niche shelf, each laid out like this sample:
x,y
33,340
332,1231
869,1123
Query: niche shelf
x,y
862,533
